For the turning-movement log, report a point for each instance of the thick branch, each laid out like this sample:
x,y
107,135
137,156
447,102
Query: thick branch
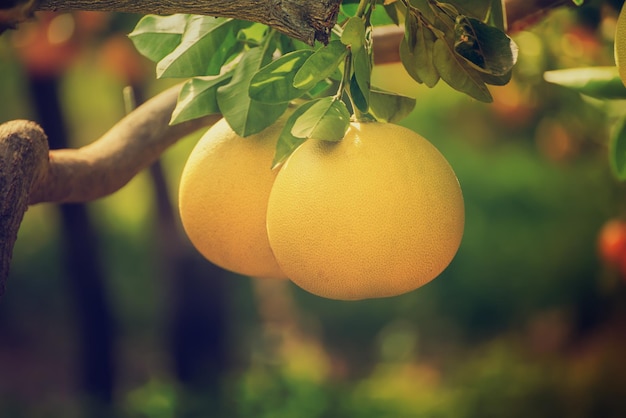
x,y
107,164
23,160
304,20
30,174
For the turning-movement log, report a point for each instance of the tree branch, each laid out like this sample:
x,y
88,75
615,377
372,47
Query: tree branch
x,y
304,20
30,174
23,158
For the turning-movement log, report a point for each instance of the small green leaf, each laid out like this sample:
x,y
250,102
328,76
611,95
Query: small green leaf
x,y
578,2
358,97
207,44
408,60
390,107
423,55
353,33
244,115
327,119
460,77
322,88
598,82
320,65
198,97
156,36
485,47
617,150
274,82
287,143
361,65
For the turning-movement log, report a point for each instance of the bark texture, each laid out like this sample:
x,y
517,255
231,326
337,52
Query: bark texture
x,y
23,162
307,21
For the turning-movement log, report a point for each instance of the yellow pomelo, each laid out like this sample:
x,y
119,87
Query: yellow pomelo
x,y
376,214
223,196
620,44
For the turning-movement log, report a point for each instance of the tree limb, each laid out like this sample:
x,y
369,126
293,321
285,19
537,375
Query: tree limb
x,y
30,174
304,20
23,158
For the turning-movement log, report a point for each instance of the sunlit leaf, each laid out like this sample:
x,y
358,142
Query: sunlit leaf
x,y
274,82
198,97
598,82
486,48
453,70
327,119
244,115
287,142
320,65
617,150
390,107
206,44
353,33
156,36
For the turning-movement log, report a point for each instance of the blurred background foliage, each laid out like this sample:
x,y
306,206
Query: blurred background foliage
x,y
528,320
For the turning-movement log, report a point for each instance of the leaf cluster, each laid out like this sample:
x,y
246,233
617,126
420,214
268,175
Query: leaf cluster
x,y
252,74
462,43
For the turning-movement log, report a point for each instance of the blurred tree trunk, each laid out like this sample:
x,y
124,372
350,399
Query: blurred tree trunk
x,y
197,304
95,325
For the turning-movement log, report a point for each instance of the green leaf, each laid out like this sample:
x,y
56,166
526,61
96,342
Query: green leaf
x,y
274,82
458,75
320,65
420,44
578,2
598,82
198,97
206,45
394,12
390,107
379,16
353,33
408,60
156,36
617,150
486,48
361,65
488,11
287,143
244,115
358,97
496,80
327,119
253,34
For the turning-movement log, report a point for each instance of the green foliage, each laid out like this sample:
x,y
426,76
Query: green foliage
x,y
462,50
249,73
597,82
602,83
617,149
